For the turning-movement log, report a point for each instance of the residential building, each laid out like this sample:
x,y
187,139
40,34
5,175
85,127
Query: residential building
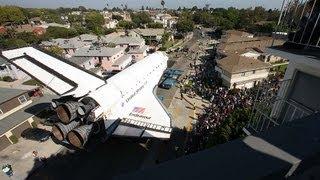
x,y
110,24
104,56
39,31
150,35
241,72
121,63
68,45
7,69
17,112
84,62
138,53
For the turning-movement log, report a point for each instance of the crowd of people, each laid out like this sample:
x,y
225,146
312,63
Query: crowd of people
x,y
205,83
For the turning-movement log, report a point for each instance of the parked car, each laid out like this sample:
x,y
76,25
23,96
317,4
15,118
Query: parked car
x,y
168,83
36,134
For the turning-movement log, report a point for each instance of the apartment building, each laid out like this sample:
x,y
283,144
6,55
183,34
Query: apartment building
x,y
103,56
241,72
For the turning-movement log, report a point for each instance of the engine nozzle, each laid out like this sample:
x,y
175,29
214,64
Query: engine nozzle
x,y
60,130
67,111
79,136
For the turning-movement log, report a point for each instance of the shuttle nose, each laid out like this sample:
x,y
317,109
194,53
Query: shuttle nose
x,y
67,111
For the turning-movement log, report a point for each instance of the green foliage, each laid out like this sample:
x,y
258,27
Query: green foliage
x,y
32,82
117,17
109,31
140,18
60,32
28,37
34,124
185,25
231,127
11,14
56,50
126,25
154,25
13,43
7,79
75,19
14,139
94,21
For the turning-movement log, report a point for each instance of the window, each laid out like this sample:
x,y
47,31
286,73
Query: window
x,y
243,74
254,71
22,99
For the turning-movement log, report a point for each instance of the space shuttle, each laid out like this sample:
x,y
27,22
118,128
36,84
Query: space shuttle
x,y
124,105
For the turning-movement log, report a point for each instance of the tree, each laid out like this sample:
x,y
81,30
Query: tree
x,y
56,50
11,14
163,3
155,25
94,21
60,32
126,24
82,8
140,18
117,17
185,25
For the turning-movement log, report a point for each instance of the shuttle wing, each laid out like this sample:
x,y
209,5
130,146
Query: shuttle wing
x,y
147,118
59,75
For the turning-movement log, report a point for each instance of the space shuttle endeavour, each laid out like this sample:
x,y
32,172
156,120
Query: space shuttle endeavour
x,y
124,105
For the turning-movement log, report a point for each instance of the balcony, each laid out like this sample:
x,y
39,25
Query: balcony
x,y
272,107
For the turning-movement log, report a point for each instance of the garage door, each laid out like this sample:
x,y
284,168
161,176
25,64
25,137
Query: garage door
x,y
18,130
4,142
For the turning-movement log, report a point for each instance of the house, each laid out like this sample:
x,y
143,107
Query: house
x,y
104,56
149,34
138,53
241,72
110,23
68,45
35,21
85,62
121,63
7,69
88,38
17,112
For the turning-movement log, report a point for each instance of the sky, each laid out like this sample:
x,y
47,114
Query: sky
x,y
135,4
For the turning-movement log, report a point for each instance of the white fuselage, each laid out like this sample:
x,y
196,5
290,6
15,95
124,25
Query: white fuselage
x,y
117,94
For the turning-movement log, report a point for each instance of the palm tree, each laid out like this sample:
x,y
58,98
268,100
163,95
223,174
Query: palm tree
x,y
163,3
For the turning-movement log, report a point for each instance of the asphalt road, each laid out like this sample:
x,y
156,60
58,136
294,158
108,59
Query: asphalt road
x,y
119,155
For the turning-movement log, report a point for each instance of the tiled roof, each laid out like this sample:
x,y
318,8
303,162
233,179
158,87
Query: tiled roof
x,y
234,63
97,51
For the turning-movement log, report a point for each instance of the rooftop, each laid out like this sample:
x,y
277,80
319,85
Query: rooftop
x,y
79,60
141,49
235,63
23,114
97,51
8,93
149,32
121,60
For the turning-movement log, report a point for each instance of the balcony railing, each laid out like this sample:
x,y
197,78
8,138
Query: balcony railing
x,y
301,18
272,108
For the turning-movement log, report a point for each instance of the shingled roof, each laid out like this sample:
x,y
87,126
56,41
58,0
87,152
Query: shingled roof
x,y
234,63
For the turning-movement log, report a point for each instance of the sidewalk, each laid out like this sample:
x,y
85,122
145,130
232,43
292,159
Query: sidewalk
x,y
20,156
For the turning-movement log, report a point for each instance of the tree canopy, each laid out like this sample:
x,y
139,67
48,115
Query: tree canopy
x,y
140,18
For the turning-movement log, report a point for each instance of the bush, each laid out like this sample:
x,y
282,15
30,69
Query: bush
x,y
34,124
13,139
7,79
